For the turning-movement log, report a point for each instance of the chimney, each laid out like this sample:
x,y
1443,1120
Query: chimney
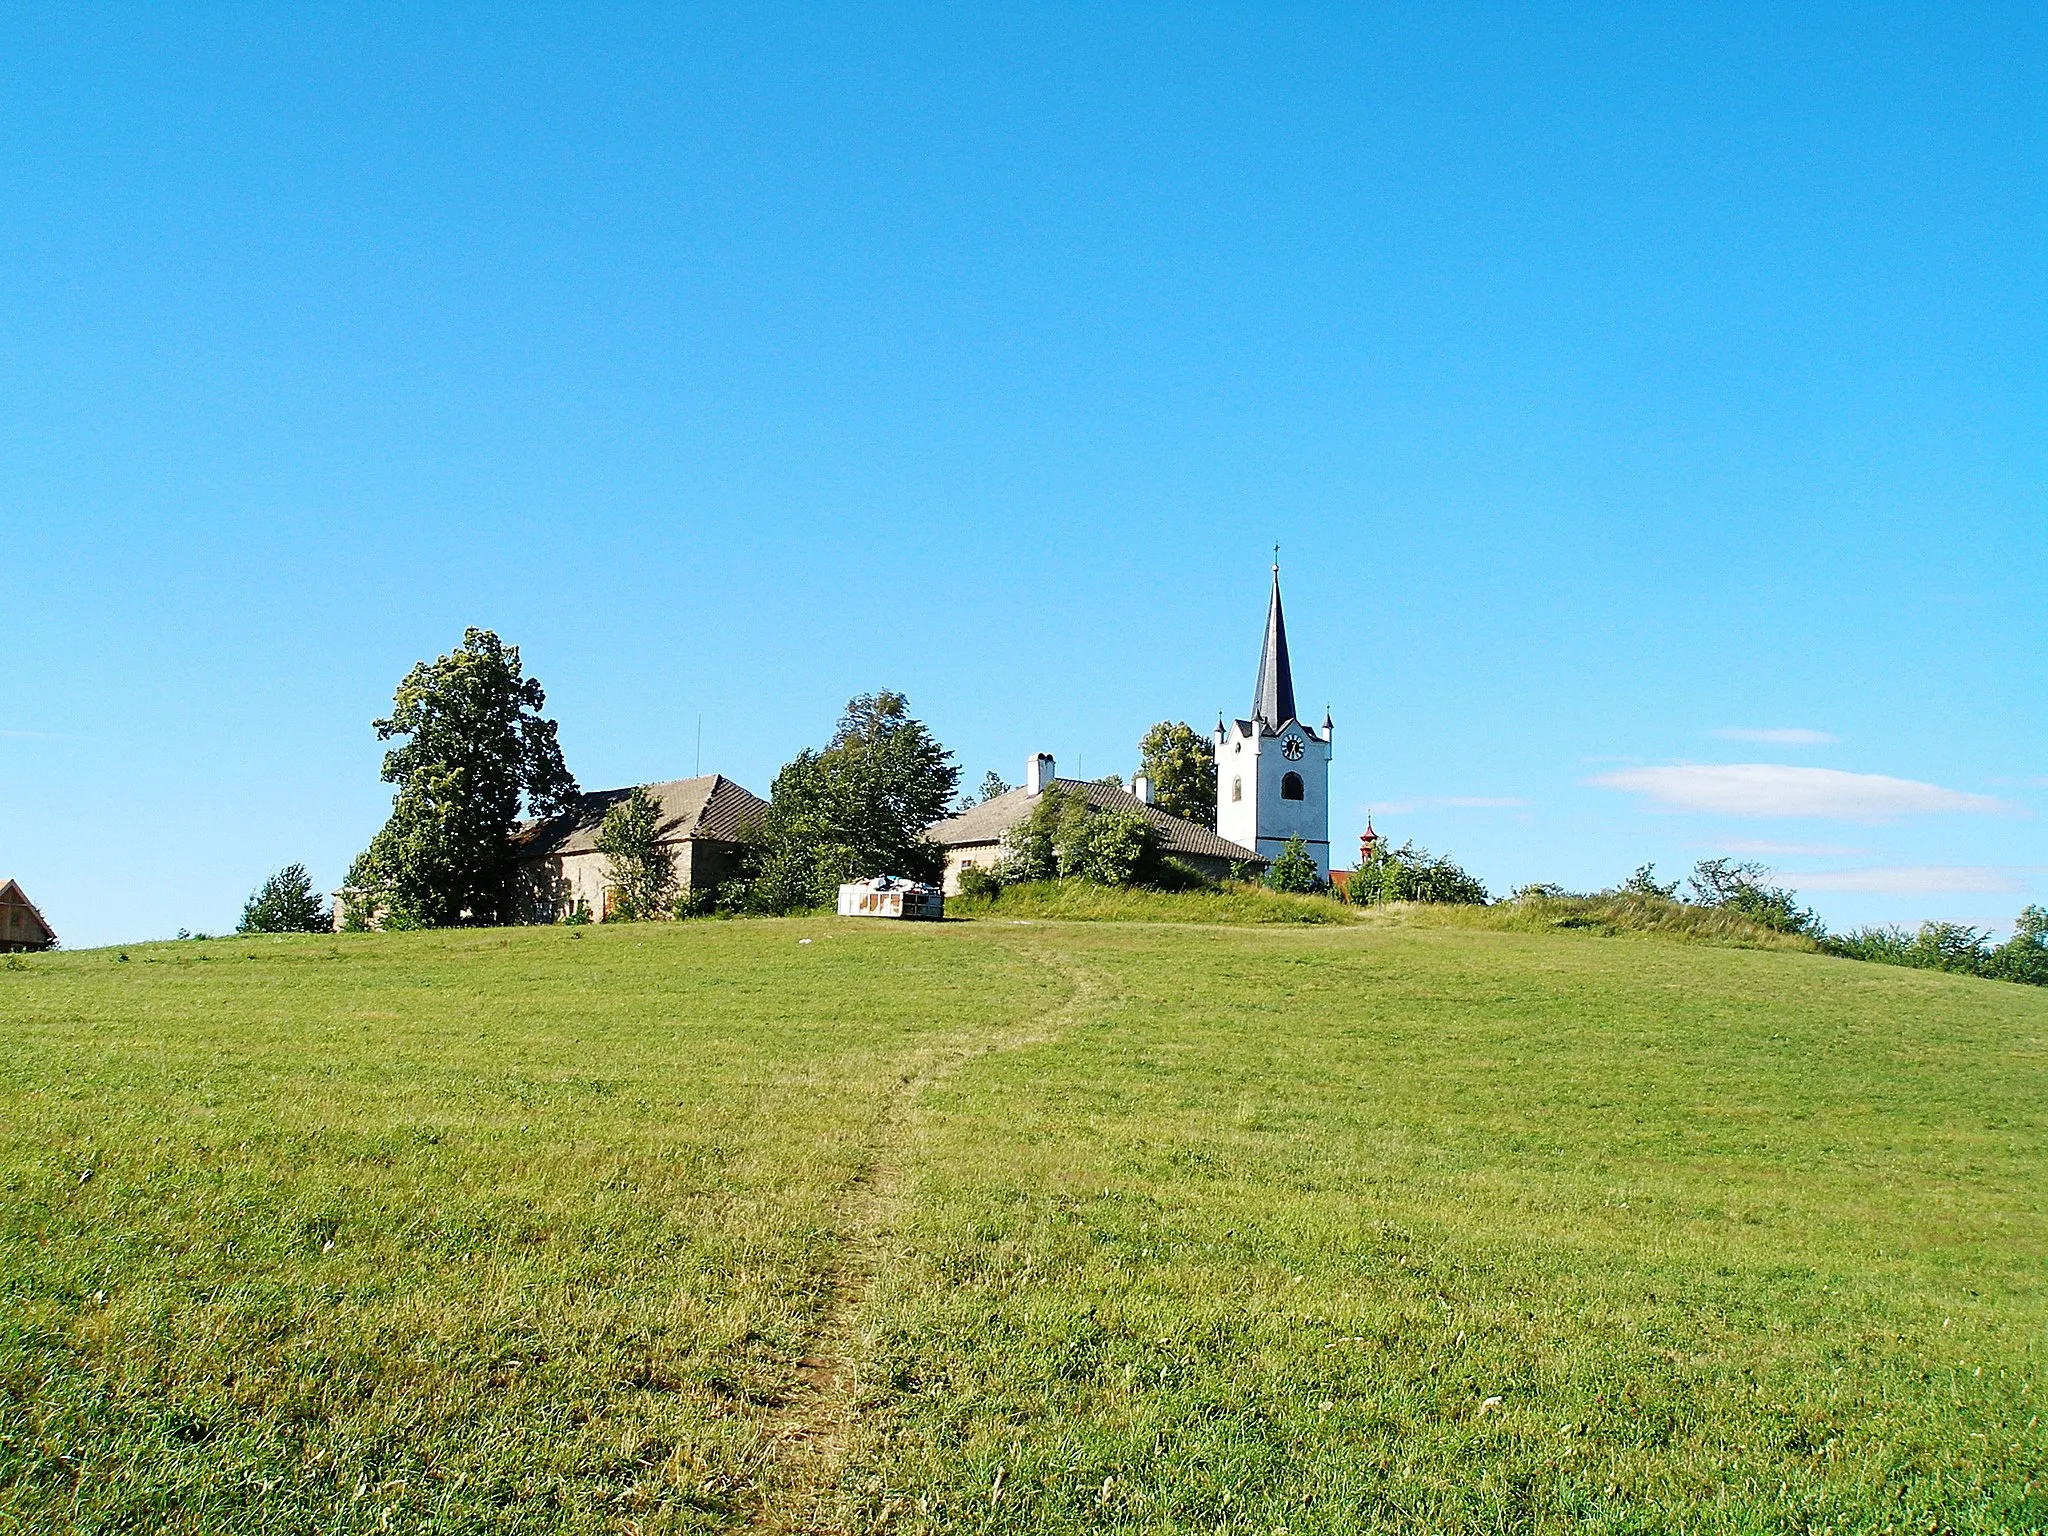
x,y
1142,788
1038,773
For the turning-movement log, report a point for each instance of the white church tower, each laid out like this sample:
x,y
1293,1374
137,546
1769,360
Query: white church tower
x,y
1273,772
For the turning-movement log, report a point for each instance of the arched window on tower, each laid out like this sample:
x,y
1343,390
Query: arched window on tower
x,y
1290,787
1237,789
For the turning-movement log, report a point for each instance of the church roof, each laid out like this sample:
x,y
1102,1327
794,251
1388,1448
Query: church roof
x,y
1274,700
987,822
711,807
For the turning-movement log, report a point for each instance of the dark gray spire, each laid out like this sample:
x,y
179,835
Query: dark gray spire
x,y
1274,702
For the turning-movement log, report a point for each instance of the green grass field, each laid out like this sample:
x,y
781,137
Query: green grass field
x,y
1018,1224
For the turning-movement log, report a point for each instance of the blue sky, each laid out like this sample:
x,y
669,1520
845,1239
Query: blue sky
x,y
1636,399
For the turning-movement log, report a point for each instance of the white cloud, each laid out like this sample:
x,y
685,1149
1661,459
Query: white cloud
x,y
1770,849
1777,789
1782,736
1907,880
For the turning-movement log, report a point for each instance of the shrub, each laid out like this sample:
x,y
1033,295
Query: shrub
x,y
1741,888
1064,837
1107,847
1030,847
978,883
1954,947
1409,873
1294,870
1644,882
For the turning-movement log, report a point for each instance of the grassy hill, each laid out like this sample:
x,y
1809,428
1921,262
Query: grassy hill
x,y
1018,1224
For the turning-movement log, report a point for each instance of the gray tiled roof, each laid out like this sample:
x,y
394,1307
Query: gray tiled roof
x,y
711,807
987,822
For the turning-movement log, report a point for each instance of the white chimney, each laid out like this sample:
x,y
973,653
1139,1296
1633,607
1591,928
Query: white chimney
x,y
1038,773
1142,788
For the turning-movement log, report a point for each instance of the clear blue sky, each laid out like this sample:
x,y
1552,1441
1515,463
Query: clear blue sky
x,y
1610,380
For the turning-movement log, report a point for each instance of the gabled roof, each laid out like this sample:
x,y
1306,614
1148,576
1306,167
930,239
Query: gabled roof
x,y
12,895
988,821
1274,700
711,807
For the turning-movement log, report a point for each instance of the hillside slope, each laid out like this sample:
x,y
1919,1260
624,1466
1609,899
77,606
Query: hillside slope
x,y
1017,1225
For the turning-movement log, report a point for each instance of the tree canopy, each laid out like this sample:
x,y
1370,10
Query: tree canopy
x,y
1181,763
286,903
475,749
642,871
858,807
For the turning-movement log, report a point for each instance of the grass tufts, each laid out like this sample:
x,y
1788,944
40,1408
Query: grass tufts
x,y
1616,914
1084,901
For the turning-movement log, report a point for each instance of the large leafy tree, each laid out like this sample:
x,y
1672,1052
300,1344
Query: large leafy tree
x,y
858,807
474,749
1181,763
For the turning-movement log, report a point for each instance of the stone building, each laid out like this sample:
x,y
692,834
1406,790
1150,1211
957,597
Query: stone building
x,y
975,836
1273,772
701,824
21,925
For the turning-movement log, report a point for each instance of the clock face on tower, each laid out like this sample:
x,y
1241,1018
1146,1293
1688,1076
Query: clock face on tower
x,y
1292,750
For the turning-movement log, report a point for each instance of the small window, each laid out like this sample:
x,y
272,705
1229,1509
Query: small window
x,y
1290,787
1237,789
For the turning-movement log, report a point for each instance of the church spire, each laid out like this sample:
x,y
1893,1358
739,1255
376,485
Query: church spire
x,y
1274,702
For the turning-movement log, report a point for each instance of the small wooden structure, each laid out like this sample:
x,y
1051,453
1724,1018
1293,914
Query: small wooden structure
x,y
892,896
21,925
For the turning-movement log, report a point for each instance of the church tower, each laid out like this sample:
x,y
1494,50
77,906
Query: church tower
x,y
1273,772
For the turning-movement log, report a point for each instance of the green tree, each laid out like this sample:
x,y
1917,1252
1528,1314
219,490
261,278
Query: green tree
x,y
1031,847
857,808
475,747
1409,873
1294,869
1741,887
1065,837
1181,763
643,872
286,903
993,784
1109,847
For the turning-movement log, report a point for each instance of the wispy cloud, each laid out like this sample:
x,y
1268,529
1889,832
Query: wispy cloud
x,y
1776,735
1778,789
1907,880
1767,849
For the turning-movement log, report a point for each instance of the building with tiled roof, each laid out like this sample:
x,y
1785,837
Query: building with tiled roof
x,y
703,822
975,836
21,925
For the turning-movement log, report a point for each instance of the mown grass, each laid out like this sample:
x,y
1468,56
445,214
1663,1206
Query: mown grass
x,y
515,1231
1391,1225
